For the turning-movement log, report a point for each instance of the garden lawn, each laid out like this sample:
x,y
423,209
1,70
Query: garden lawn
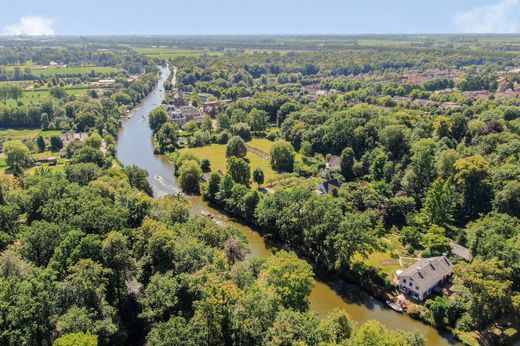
x,y
216,154
265,145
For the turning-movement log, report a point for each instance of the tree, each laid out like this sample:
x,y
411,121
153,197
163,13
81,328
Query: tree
x,y
439,204
94,140
175,332
138,178
443,126
117,258
207,124
82,173
189,176
294,328
507,200
291,278
76,339
242,130
157,118
167,137
375,333
258,176
89,154
40,142
489,285
396,140
337,327
355,235
39,241
58,92
282,156
17,155
258,119
56,143
4,93
15,92
213,186
471,175
205,165
236,147
238,169
421,171
347,163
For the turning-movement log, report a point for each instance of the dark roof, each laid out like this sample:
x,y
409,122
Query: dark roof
x,y
326,185
461,251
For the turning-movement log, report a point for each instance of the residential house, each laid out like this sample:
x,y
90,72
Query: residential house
x,y
327,186
334,164
179,99
191,113
210,108
422,278
177,117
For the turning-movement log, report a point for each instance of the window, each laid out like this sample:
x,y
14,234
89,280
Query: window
x,y
410,284
404,280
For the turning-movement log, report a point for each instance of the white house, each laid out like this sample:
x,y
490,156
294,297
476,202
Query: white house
x,y
419,280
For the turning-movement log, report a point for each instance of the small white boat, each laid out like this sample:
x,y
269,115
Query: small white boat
x,y
206,213
394,306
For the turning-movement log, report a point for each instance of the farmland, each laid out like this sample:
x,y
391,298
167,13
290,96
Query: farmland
x,y
171,53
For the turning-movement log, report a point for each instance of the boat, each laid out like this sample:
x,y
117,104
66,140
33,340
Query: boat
x,y
206,213
394,306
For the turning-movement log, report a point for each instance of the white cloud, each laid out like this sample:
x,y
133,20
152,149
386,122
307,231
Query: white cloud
x,y
502,17
32,26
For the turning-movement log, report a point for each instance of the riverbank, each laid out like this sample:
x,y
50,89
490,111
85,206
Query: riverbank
x,y
134,147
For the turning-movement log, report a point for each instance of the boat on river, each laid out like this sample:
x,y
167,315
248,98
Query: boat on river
x,y
394,306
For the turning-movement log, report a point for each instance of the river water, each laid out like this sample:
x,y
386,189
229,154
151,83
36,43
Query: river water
x,y
134,147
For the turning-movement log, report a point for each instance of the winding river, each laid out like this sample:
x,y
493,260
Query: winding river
x,y
134,147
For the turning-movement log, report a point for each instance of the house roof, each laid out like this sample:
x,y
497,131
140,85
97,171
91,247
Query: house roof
x,y
190,110
461,251
428,271
326,185
334,162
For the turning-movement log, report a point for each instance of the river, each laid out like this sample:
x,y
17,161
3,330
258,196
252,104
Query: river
x,y
134,147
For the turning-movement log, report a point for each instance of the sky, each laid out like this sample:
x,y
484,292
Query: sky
x,y
246,17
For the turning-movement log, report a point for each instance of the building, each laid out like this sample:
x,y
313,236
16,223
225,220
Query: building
x,y
177,117
421,279
210,108
334,164
204,97
461,251
328,186
106,82
179,99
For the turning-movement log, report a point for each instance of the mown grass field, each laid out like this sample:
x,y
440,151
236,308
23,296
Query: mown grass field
x,y
171,53
38,71
216,154
29,134
34,96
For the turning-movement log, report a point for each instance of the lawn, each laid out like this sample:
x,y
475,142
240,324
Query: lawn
x,y
265,146
29,134
39,95
216,154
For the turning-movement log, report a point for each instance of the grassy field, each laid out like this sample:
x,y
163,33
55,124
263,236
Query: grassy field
x,y
29,134
171,53
216,154
34,96
265,145
38,71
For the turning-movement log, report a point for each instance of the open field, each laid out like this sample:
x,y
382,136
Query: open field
x,y
39,95
216,154
171,53
29,134
62,71
265,146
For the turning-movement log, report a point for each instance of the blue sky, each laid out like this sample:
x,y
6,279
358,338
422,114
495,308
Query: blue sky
x,y
173,17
